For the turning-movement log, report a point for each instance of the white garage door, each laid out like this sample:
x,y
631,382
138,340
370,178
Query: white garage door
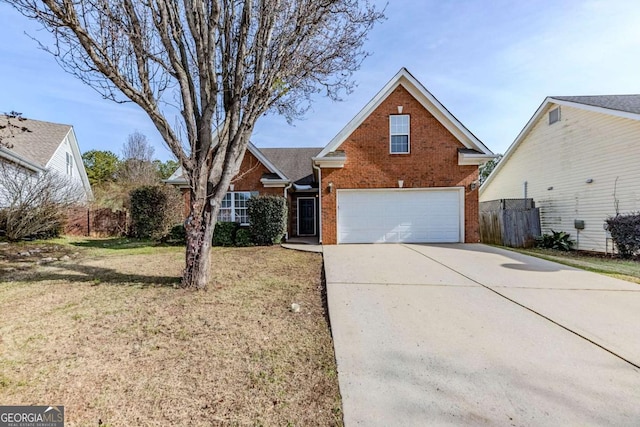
x,y
394,216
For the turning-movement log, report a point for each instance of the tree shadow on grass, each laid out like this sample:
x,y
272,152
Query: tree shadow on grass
x,y
78,273
115,243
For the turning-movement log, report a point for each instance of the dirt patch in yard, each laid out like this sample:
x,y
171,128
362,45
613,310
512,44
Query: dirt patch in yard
x,y
112,339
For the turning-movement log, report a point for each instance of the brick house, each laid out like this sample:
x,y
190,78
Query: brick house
x,y
403,170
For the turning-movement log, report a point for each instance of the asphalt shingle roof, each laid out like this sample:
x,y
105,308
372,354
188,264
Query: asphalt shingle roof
x,y
295,163
628,103
39,143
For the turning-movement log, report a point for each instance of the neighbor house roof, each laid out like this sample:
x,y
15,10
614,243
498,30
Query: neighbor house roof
x,y
295,163
626,106
405,79
628,103
38,143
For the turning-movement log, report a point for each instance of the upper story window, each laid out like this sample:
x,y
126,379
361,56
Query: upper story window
x,y
399,133
233,207
554,115
69,164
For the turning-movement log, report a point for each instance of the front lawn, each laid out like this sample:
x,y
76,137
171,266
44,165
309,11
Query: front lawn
x,y
106,334
619,268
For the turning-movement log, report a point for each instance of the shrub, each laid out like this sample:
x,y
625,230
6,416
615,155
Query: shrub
x,y
556,240
35,205
268,219
154,210
176,236
225,234
243,237
625,232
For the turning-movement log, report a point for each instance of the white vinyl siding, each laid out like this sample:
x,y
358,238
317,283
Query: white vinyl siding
x,y
394,216
399,133
64,163
583,145
233,207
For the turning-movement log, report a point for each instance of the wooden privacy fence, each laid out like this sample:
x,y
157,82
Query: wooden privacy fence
x,y
517,228
96,222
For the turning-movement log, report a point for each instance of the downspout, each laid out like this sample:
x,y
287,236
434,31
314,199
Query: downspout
x,y
316,167
286,189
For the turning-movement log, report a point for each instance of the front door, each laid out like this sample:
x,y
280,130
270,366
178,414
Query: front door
x,y
306,216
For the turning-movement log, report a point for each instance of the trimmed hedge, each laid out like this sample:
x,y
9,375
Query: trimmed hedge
x,y
625,232
225,234
153,211
231,234
268,219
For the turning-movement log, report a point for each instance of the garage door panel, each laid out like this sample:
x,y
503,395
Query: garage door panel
x,y
395,216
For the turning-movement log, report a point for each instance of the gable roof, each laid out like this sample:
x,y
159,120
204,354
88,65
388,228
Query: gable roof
x,y
622,103
626,106
428,101
177,178
39,143
295,163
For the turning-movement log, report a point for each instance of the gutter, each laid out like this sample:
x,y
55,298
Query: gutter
x,y
20,161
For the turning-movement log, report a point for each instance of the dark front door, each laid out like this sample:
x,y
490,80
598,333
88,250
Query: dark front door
x,y
307,216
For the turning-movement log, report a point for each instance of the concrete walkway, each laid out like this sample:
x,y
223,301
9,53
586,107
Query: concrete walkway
x,y
474,335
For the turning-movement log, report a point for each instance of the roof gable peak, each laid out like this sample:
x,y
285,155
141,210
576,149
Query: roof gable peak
x,y
405,79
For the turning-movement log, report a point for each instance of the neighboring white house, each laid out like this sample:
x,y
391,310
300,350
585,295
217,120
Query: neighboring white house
x,y
45,146
579,159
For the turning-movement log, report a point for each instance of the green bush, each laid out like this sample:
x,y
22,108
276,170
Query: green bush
x,y
225,233
176,236
154,210
556,240
267,218
625,232
243,237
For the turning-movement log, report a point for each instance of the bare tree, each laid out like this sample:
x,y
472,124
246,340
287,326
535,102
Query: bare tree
x,y
137,166
205,71
10,127
34,204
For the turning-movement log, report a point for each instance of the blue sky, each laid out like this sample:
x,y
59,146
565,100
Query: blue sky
x,y
490,62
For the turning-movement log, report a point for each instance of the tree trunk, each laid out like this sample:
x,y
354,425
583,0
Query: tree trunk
x,y
199,235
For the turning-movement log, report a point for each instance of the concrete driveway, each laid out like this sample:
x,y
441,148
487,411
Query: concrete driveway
x,y
470,334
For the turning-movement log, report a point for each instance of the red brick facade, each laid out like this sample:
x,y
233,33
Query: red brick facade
x,y
248,179
432,161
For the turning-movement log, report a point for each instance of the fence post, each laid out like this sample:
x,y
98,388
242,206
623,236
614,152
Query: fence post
x,y
88,222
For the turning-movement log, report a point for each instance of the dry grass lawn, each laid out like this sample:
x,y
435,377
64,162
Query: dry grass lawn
x,y
624,269
108,336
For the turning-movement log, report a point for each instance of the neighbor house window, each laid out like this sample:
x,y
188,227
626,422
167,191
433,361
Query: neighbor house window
x,y
233,207
69,164
399,131
554,115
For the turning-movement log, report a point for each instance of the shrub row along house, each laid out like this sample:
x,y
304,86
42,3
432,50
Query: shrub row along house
x,y
31,147
404,169
578,159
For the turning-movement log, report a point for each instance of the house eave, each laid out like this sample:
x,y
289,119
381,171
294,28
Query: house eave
x,y
466,159
274,183
19,160
329,162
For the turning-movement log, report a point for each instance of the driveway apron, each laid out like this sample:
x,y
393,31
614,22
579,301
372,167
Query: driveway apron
x,y
474,335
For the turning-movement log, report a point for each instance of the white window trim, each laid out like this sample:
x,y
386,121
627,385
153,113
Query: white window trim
x,y
393,134
233,205
69,158
315,232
